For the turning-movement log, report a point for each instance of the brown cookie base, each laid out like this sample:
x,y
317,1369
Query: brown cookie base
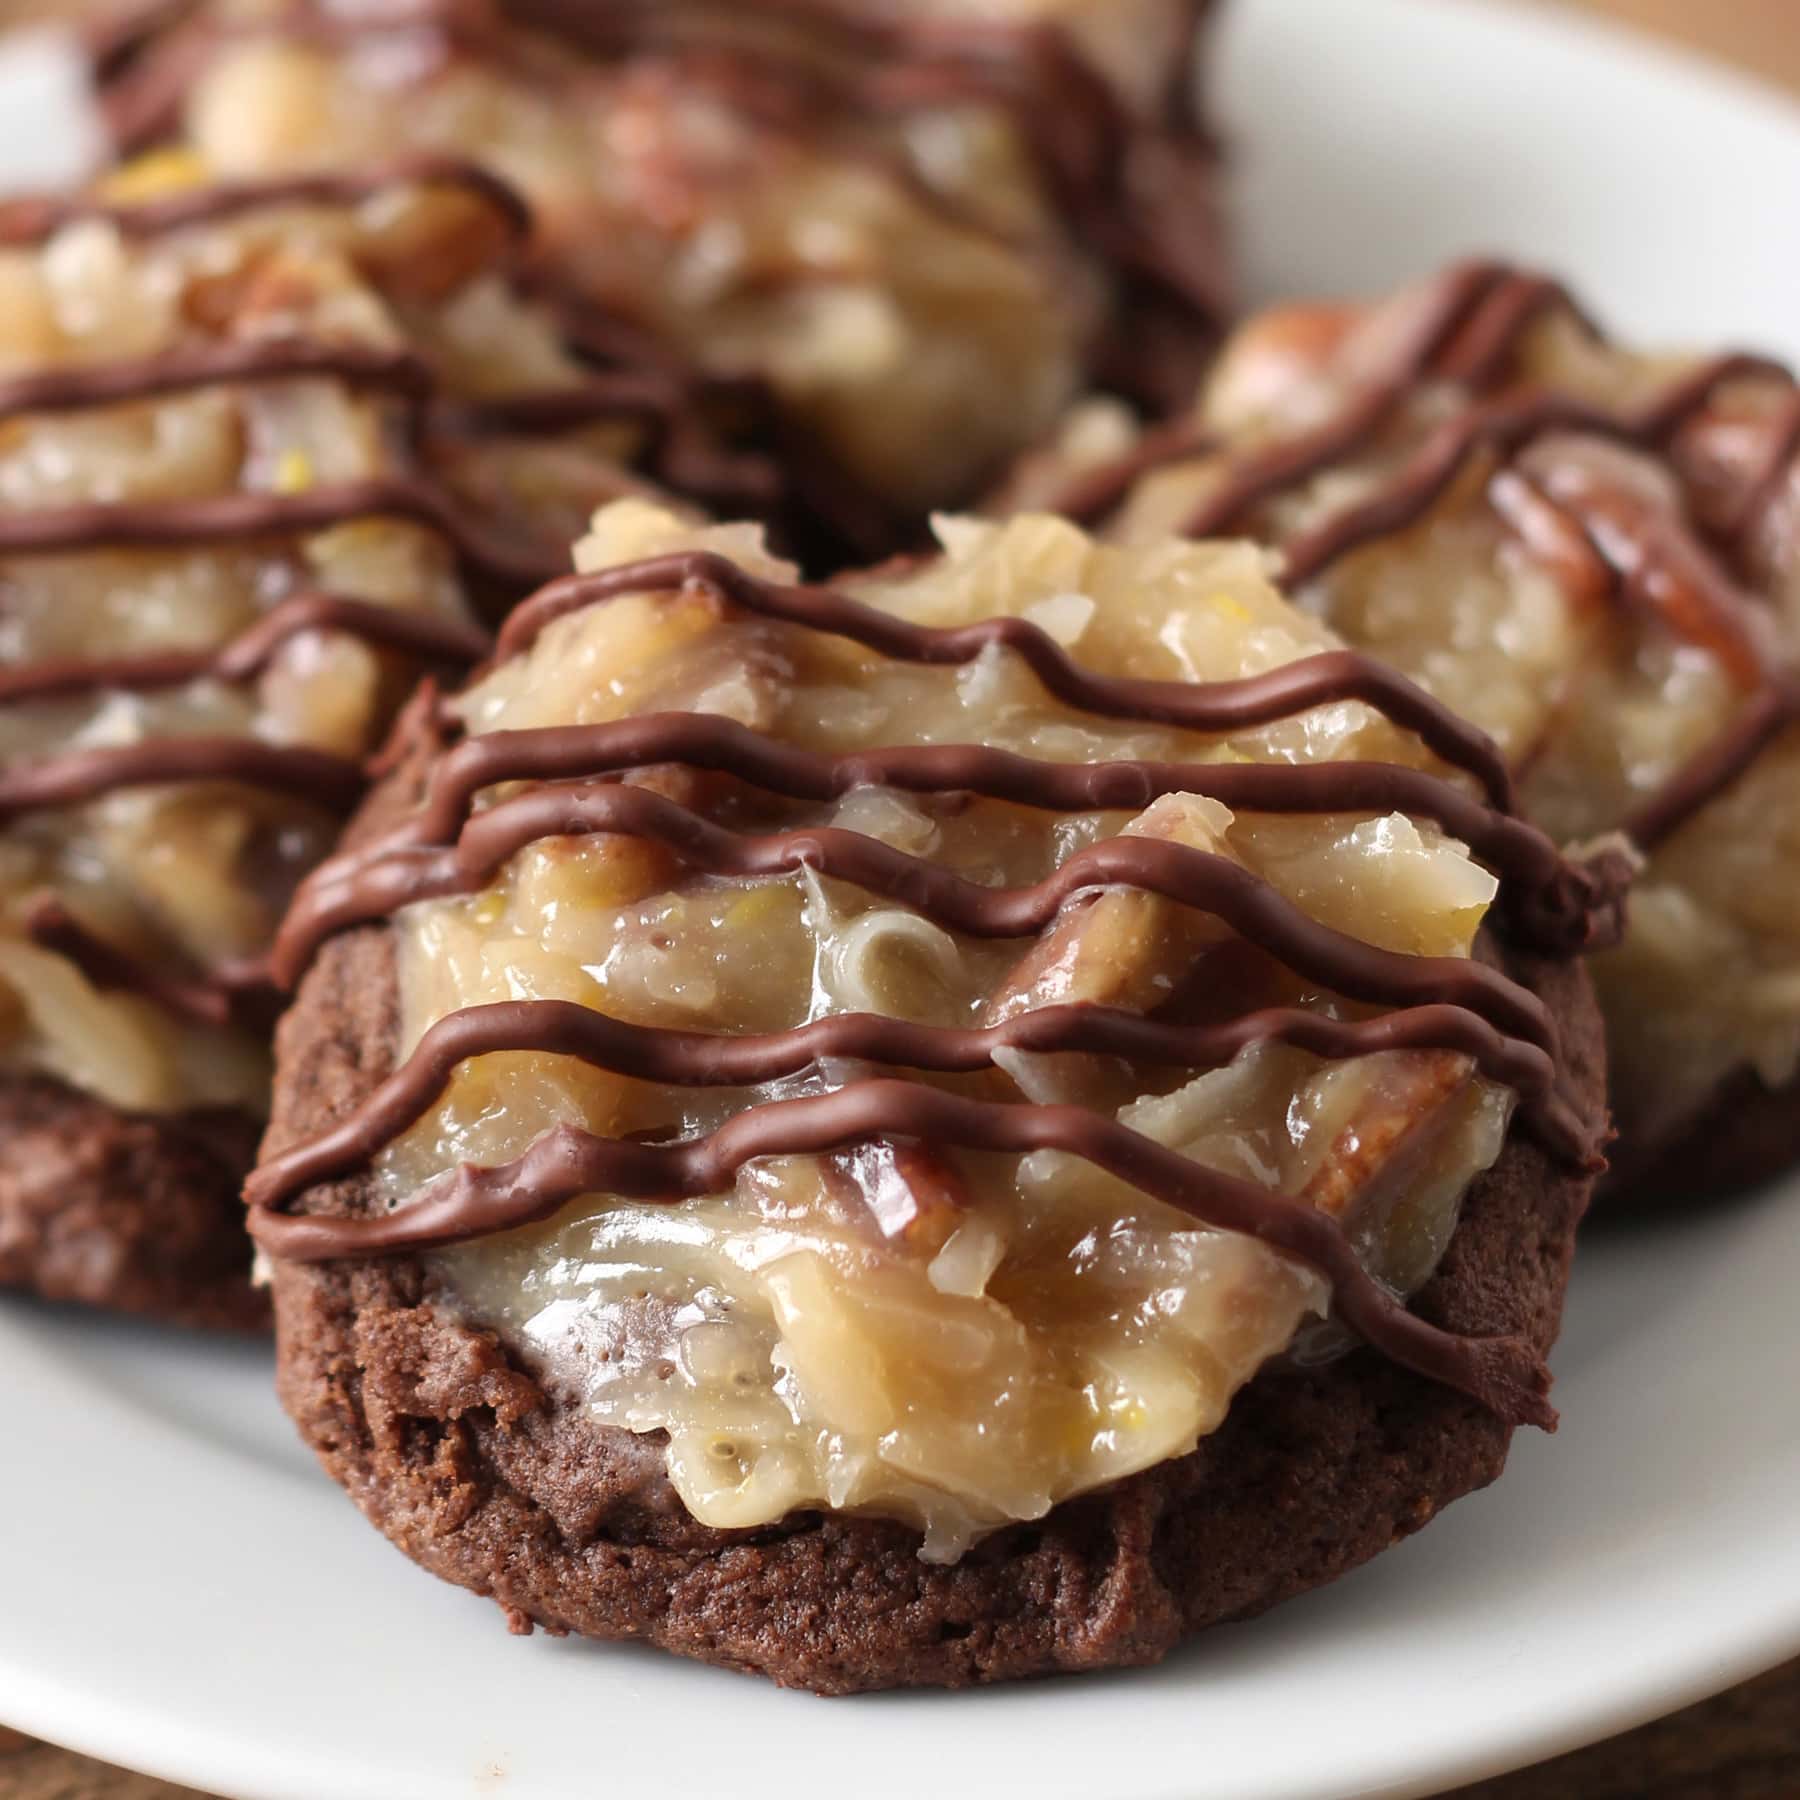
x,y
127,1212
454,1450
1745,1135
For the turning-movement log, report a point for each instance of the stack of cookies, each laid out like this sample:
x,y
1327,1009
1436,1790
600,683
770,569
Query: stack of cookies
x,y
925,949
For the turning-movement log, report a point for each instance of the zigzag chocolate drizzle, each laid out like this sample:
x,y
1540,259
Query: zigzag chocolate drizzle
x,y
225,993
1469,331
230,518
73,777
1500,430
83,386
699,1059
433,858
251,652
1503,1373
661,394
32,221
1211,706
1460,1006
1178,872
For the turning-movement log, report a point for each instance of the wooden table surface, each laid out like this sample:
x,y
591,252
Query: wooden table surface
x,y
1743,1745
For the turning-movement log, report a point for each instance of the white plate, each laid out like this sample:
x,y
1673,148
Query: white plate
x,y
180,1591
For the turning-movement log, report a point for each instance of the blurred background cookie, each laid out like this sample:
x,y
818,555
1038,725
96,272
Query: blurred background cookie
x,y
1593,552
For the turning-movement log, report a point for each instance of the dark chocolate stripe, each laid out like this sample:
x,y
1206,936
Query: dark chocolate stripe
x,y
35,220
1761,492
73,777
86,385
1222,706
1552,899
698,1059
1716,769
1089,497
1258,477
1505,1374
1179,872
181,524
1500,429
1492,333
723,746
242,659
111,33
685,454
215,998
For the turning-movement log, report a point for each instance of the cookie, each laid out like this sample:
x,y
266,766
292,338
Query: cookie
x,y
1590,551
264,447
892,1157
919,232
131,1212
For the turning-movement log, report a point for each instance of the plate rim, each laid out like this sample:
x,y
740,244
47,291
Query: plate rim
x,y
113,1732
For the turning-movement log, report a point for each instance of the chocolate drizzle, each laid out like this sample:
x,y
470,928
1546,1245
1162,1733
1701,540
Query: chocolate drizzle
x,y
1211,706
1136,186
33,221
233,518
434,858
1504,1373
653,390
82,387
246,656
697,1059
224,994
1178,872
1499,431
1470,329
453,846
74,777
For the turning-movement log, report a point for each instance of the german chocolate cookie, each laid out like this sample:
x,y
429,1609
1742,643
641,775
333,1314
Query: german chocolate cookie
x,y
260,446
880,1135
921,228
1595,554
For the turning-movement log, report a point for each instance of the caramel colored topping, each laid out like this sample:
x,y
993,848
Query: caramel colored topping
x,y
1589,550
1451,1012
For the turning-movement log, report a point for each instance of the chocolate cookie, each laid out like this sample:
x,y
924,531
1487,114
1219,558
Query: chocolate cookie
x,y
860,1381
919,233
136,1213
261,443
1594,553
